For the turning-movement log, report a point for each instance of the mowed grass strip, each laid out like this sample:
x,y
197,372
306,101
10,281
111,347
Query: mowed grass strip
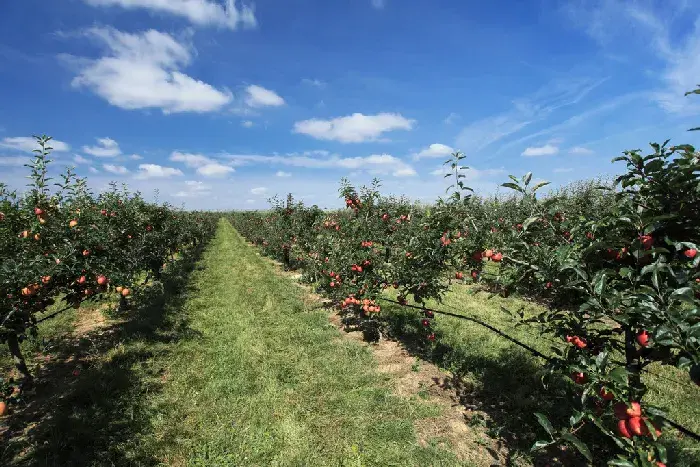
x,y
270,382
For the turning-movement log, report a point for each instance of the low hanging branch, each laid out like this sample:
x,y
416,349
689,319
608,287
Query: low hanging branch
x,y
680,428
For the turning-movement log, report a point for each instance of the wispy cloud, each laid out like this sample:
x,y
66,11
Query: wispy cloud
x,y
106,147
204,165
13,161
199,12
546,150
451,119
580,150
261,190
376,163
193,188
317,83
115,169
632,28
482,133
470,174
147,171
29,144
573,121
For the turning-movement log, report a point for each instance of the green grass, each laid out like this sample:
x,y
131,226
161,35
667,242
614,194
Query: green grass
x,y
223,364
503,379
270,382
50,335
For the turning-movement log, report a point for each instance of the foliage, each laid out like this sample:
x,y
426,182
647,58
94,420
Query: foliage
x,y
616,263
72,246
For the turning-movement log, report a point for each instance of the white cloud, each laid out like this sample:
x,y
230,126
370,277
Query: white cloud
x,y
559,170
93,170
378,4
470,174
250,201
115,169
375,164
435,150
404,172
156,171
258,96
28,144
14,161
135,157
215,170
142,71
451,118
190,160
204,165
546,150
106,147
247,124
280,173
580,150
313,82
78,159
199,12
261,190
194,188
355,128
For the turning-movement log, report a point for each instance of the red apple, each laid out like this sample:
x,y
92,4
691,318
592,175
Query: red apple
x,y
643,338
623,429
606,395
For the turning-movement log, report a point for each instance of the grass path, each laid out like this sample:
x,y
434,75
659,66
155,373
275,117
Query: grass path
x,y
268,382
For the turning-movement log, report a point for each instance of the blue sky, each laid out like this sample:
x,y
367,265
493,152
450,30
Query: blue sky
x,y
220,104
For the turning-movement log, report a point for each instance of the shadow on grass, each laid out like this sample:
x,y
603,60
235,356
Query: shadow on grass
x,y
86,407
502,387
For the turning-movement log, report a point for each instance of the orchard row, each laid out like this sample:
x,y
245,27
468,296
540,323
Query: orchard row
x,y
616,265
61,243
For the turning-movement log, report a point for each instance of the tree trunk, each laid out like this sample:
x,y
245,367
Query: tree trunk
x,y
285,252
123,304
18,358
633,366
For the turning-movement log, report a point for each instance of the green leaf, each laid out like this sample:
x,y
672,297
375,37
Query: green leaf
x,y
529,222
600,284
527,178
512,186
663,455
620,463
544,421
540,445
540,185
576,418
578,444
619,375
